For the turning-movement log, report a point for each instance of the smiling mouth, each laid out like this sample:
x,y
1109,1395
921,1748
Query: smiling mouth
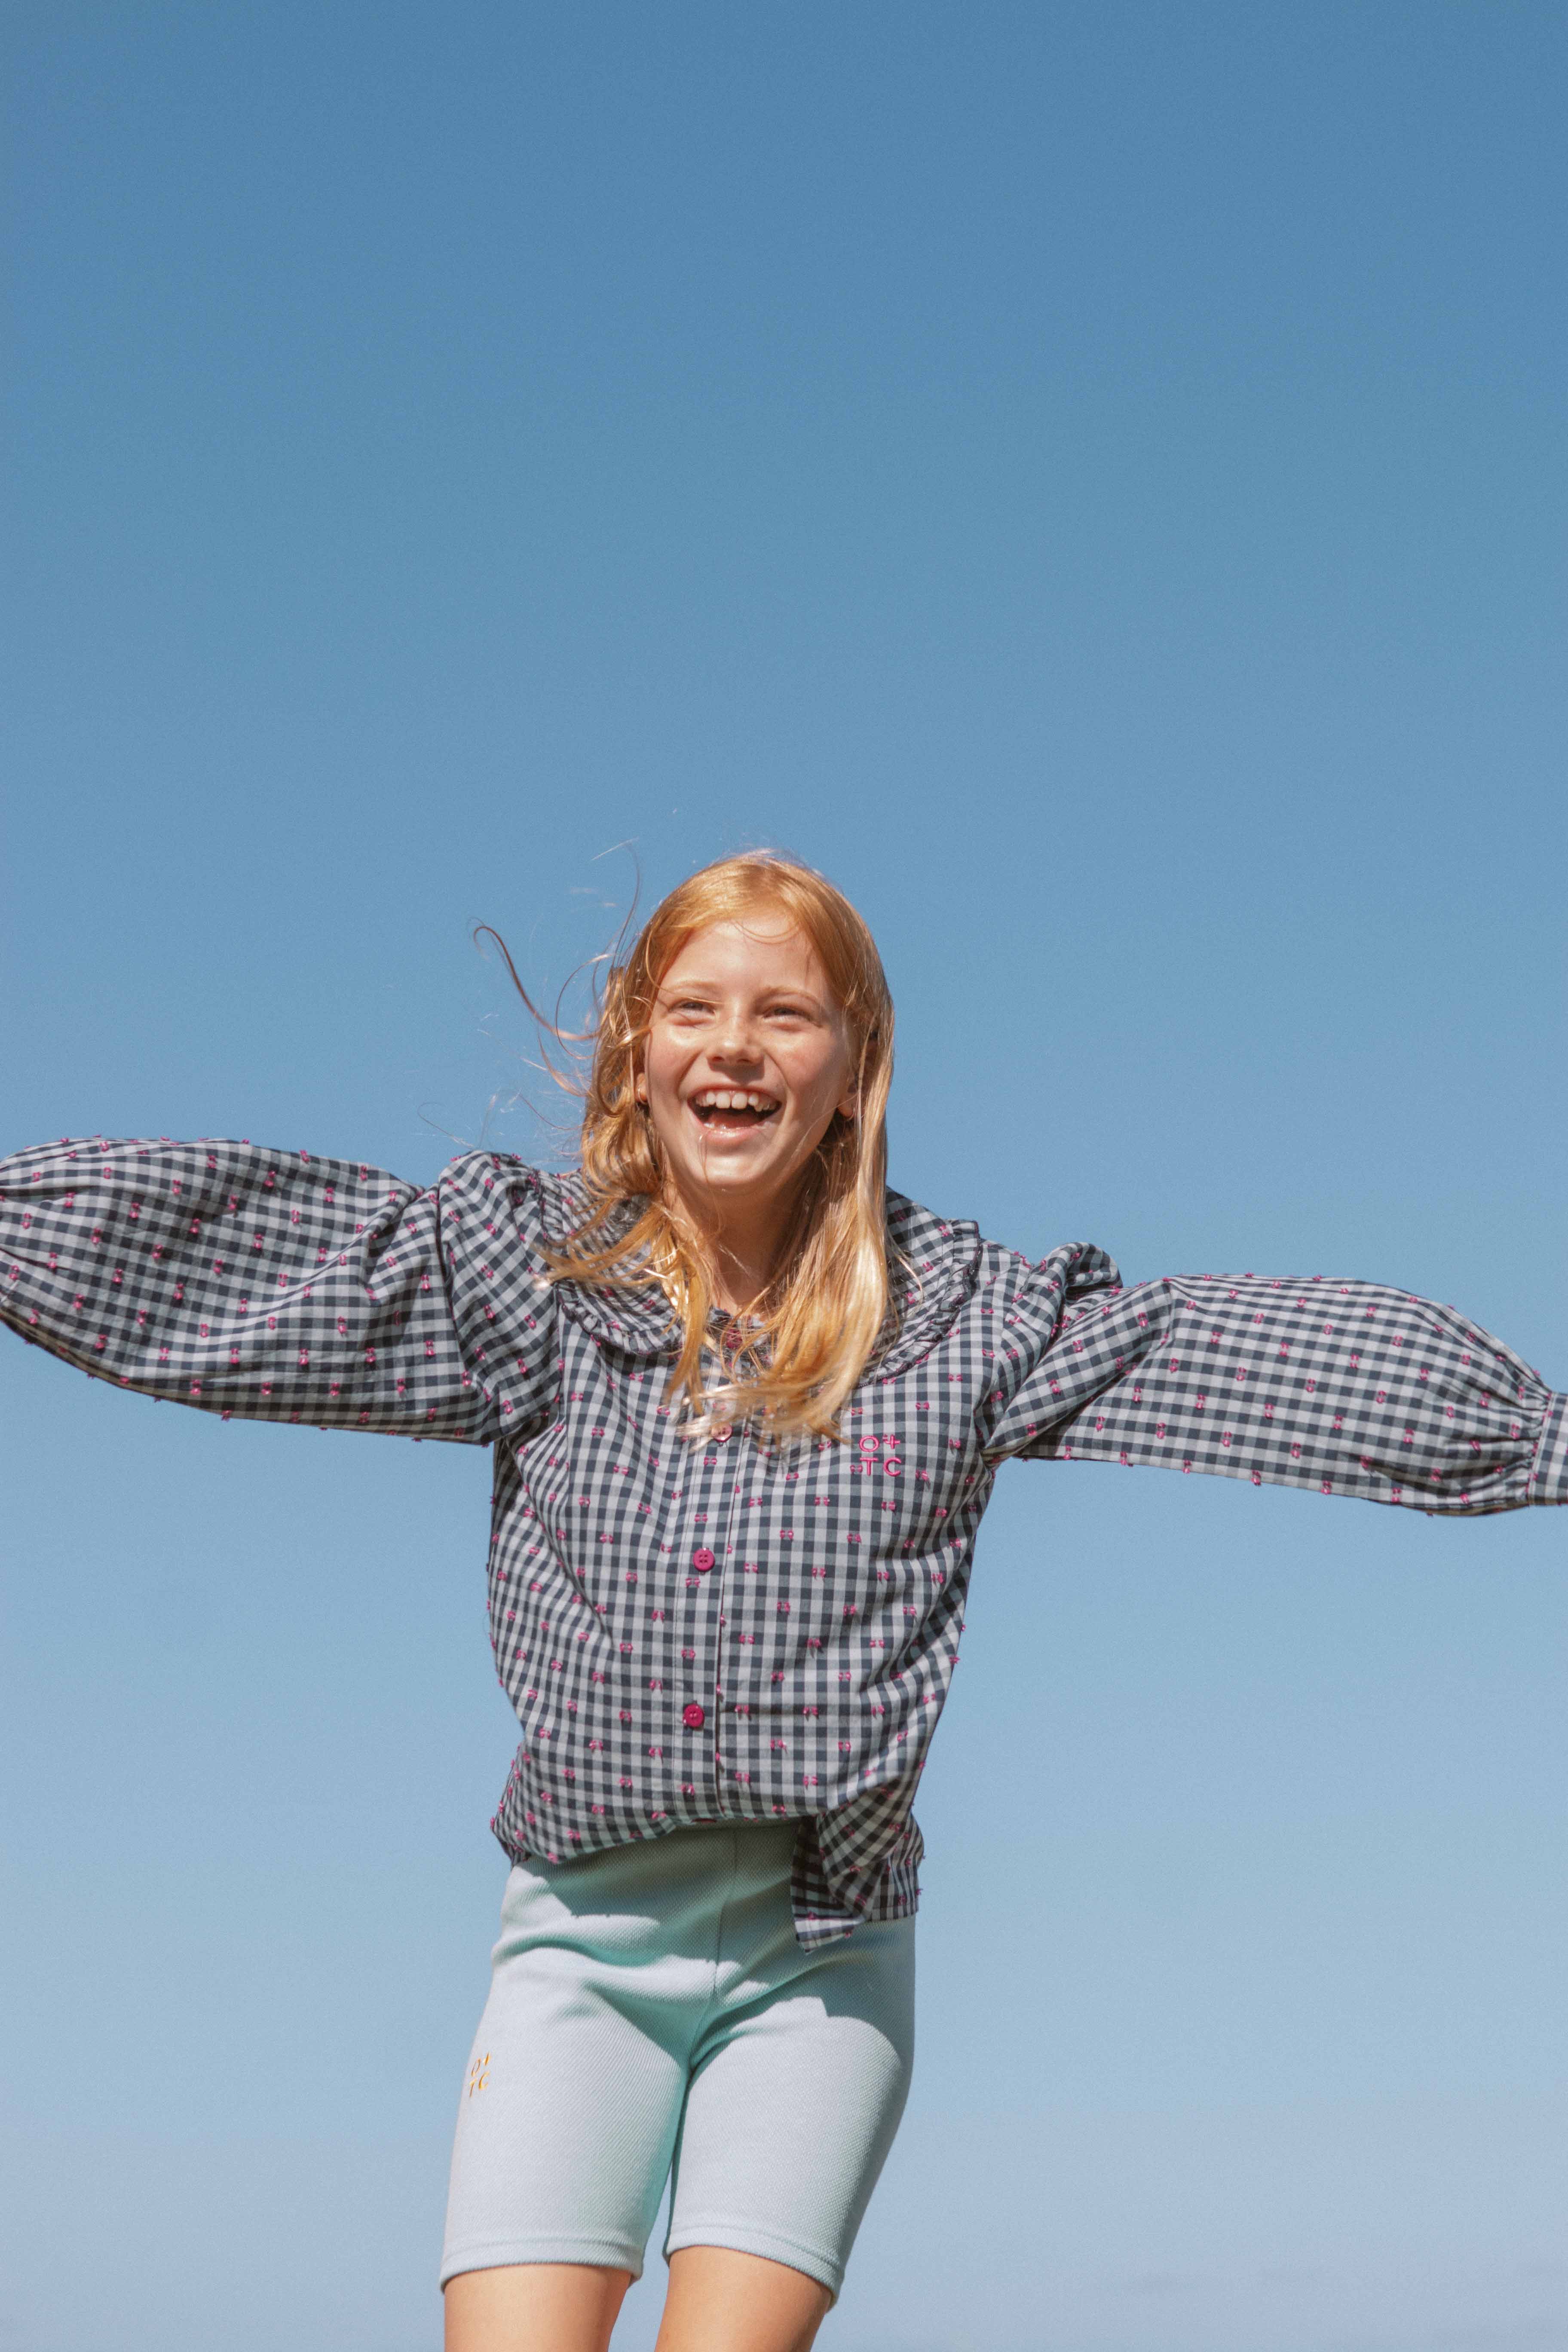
x,y
733,1110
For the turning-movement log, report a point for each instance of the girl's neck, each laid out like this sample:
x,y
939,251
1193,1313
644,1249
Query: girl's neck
x,y
742,1254
742,1266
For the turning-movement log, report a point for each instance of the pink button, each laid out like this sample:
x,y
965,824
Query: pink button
x,y
692,1717
703,1559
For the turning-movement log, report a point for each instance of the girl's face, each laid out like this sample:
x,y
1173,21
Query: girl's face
x,y
745,1064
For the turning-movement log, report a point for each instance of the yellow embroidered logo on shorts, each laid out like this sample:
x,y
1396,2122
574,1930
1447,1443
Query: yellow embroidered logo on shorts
x,y
479,2073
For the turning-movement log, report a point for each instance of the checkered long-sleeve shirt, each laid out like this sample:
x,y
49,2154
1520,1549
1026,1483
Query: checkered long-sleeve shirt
x,y
740,1629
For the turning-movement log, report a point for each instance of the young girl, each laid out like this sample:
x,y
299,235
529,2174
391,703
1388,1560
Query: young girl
x,y
746,1408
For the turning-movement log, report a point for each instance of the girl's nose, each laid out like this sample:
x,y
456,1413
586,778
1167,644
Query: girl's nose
x,y
736,1042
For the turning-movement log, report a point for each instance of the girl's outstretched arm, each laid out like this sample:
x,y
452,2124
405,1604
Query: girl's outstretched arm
x,y
1342,1386
247,1281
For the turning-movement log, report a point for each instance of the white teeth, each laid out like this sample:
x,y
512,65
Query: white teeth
x,y
733,1098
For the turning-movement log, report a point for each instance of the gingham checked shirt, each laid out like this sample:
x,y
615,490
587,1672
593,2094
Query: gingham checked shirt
x,y
741,1629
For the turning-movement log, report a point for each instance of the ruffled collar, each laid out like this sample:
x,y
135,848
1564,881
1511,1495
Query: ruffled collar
x,y
932,1274
934,1262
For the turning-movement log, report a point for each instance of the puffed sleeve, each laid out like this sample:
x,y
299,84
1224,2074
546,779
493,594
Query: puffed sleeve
x,y
1346,1387
268,1284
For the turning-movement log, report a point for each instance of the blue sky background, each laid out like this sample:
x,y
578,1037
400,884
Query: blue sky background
x,y
1092,479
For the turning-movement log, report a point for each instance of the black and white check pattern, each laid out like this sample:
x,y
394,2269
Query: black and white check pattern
x,y
738,1629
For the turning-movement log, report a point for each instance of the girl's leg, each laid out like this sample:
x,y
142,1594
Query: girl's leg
x,y
720,2301
798,2082
656,1991
792,2108
569,2108
527,2306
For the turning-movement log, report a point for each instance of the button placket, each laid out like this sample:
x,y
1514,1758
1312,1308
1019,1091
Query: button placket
x,y
728,1449
703,1612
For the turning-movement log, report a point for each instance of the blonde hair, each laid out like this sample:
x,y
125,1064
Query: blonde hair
x,y
794,1363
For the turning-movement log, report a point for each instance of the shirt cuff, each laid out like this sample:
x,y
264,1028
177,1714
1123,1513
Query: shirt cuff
x,y
1549,1473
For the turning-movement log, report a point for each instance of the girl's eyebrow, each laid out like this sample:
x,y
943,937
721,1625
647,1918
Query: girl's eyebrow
x,y
672,994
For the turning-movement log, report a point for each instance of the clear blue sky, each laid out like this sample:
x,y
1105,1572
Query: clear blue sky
x,y
1092,479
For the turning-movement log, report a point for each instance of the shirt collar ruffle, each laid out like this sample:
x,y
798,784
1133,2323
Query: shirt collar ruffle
x,y
933,1272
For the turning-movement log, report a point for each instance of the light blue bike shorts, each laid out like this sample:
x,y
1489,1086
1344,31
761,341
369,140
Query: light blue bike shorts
x,y
651,2014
